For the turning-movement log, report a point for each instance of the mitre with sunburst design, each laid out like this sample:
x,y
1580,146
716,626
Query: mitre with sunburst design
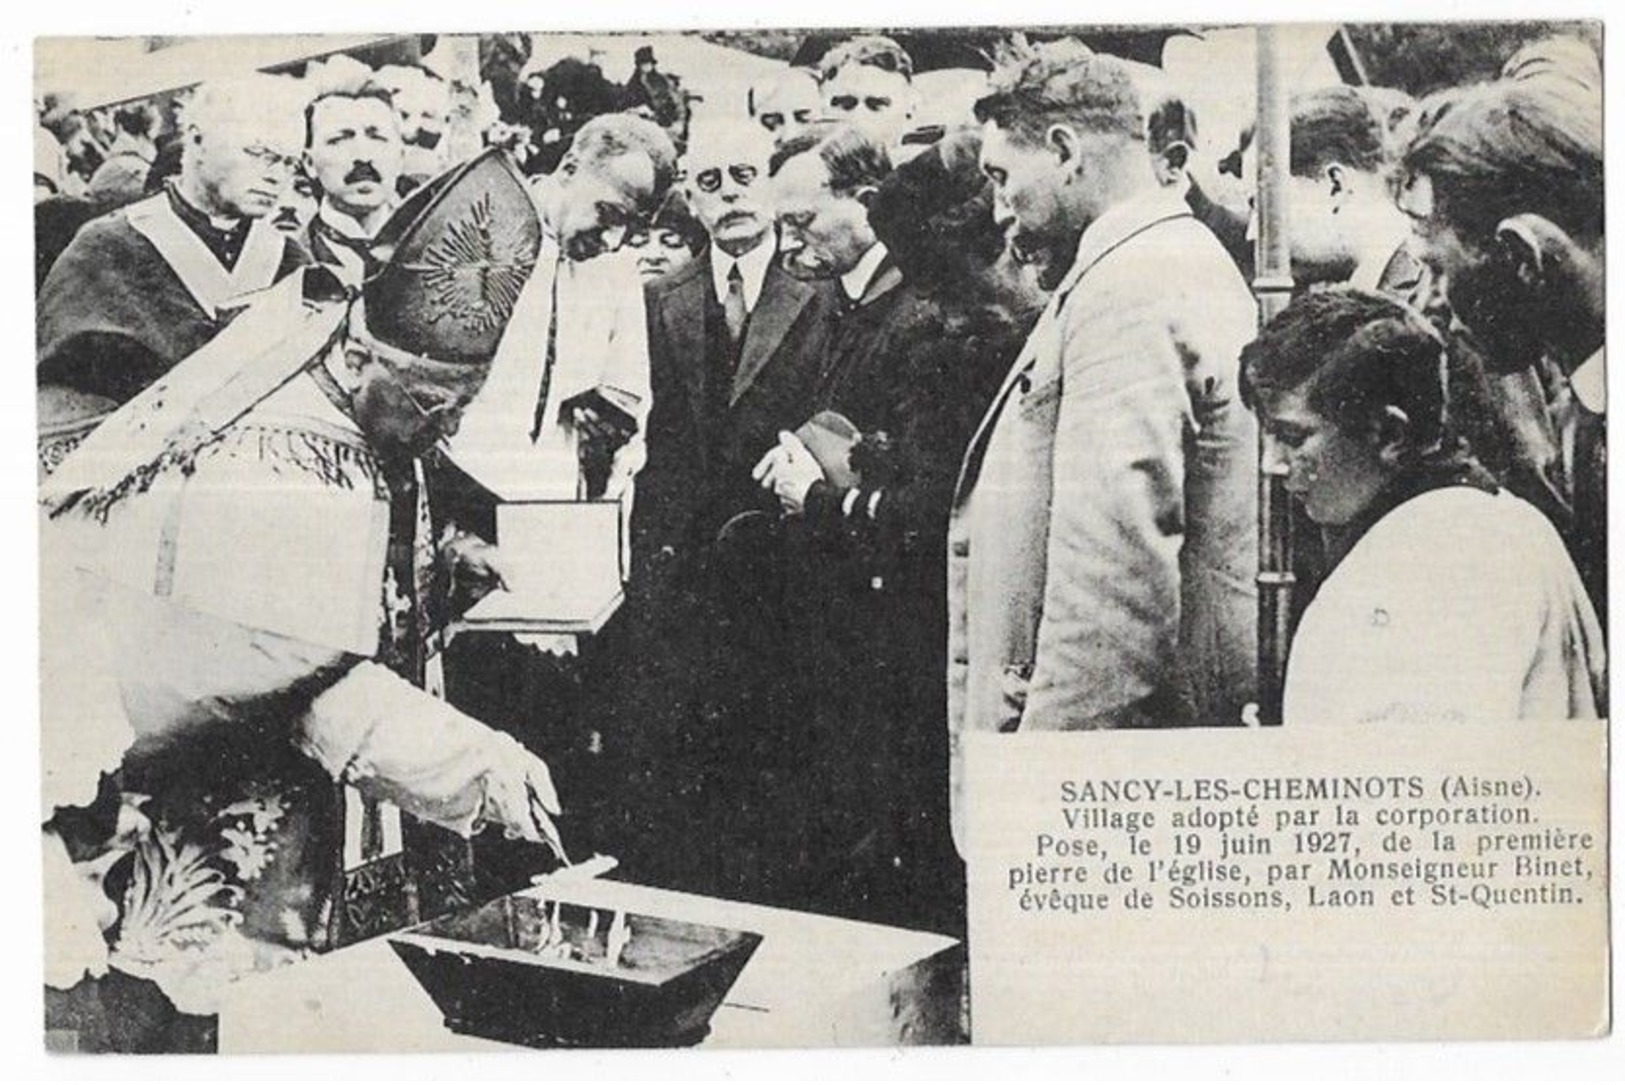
x,y
456,255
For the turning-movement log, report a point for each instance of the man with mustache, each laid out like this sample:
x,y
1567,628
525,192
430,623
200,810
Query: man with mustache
x,y
353,151
249,638
735,347
144,287
732,339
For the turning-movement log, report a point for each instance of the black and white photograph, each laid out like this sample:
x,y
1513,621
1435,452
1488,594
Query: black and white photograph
x,y
546,538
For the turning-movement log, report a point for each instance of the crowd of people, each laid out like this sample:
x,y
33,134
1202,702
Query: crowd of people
x,y
91,161
919,431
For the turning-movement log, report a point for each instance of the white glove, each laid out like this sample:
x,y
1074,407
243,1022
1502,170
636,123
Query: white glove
x,y
789,471
470,557
519,795
395,742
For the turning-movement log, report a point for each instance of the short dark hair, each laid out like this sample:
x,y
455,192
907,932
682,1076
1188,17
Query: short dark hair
x,y
869,50
853,159
136,118
359,91
1170,121
1357,352
1336,125
1061,82
1515,148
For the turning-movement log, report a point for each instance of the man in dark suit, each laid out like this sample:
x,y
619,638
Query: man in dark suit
x,y
824,181
354,152
735,348
861,837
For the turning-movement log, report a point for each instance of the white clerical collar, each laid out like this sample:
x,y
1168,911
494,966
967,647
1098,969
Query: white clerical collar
x,y
1590,384
223,223
343,223
753,267
856,281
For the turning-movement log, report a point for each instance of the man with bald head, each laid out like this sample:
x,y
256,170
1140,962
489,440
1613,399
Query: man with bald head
x,y
563,417
574,391
142,288
617,172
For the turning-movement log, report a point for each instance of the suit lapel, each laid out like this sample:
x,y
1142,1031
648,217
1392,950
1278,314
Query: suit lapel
x,y
684,316
1088,261
887,278
783,298
972,464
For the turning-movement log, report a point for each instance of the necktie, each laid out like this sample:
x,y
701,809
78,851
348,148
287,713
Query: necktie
x,y
337,240
733,306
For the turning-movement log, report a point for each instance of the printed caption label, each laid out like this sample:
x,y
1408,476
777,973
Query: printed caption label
x,y
1381,882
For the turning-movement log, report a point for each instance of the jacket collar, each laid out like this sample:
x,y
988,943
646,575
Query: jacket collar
x,y
1117,225
342,224
1589,383
753,267
865,277
1389,265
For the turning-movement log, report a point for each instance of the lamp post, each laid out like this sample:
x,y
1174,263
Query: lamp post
x,y
1272,286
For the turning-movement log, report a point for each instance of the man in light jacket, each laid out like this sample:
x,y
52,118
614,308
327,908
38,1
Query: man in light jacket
x,y
1102,545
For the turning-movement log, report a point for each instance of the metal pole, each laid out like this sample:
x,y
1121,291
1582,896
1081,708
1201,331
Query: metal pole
x,y
1272,285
